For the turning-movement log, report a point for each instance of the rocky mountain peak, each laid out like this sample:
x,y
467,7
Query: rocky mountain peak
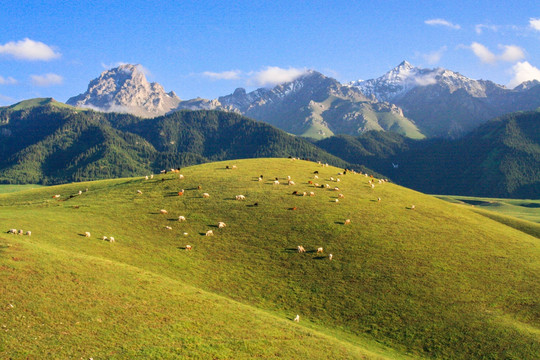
x,y
126,89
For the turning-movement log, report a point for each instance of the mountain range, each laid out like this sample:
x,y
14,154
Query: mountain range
x,y
44,141
406,100
444,103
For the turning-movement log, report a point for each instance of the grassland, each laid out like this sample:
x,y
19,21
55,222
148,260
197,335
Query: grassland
x,y
15,188
520,208
436,281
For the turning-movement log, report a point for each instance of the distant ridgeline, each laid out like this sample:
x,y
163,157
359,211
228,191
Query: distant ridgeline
x,y
47,142
501,158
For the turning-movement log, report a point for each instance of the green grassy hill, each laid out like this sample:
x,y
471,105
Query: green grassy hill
x,y
436,281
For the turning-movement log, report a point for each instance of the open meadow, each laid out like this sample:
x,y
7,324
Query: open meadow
x,y
410,277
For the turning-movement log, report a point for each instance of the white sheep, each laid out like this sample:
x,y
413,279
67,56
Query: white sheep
x,y
301,249
373,186
56,196
413,207
180,176
297,318
327,186
331,179
104,238
316,177
87,234
347,222
152,176
146,177
80,192
288,177
20,232
206,195
139,192
336,189
319,250
330,257
12,231
188,247
168,227
379,199
311,193
209,233
276,182
186,234
163,211
240,197
337,200
111,239
341,196
291,182
181,218
221,225
260,179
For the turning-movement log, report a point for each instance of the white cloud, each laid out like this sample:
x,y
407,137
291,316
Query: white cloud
x,y
274,75
7,81
534,23
29,50
442,22
427,79
523,71
511,53
483,53
434,56
225,75
480,28
46,80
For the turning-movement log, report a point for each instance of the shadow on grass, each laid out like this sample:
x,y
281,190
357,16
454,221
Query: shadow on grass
x,y
290,250
339,222
182,248
253,205
213,226
319,257
83,235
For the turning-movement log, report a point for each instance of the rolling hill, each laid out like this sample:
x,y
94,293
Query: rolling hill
x,y
500,158
434,281
44,142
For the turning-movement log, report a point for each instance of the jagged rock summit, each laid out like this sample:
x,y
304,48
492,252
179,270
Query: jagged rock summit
x,y
125,89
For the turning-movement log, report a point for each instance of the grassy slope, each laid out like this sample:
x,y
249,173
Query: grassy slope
x,y
31,103
15,188
523,209
431,282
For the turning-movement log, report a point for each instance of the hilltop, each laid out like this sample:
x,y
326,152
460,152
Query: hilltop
x,y
436,281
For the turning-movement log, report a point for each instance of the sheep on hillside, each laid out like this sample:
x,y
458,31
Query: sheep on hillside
x,y
347,222
181,218
319,250
209,233
221,225
297,318
240,197
163,212
301,249
111,239
188,247
330,257
87,234
29,233
206,195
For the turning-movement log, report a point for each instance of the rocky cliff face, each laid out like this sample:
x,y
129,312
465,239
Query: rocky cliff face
x,y
125,89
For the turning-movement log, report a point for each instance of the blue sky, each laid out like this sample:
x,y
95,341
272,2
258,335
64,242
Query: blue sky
x,y
209,48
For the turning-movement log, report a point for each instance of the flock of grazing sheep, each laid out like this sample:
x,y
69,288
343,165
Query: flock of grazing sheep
x,y
220,225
